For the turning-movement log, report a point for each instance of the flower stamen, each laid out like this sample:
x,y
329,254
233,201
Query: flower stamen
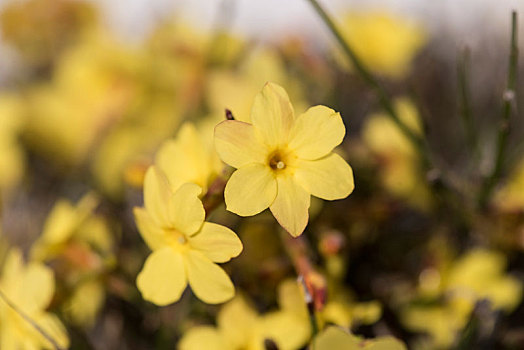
x,y
276,161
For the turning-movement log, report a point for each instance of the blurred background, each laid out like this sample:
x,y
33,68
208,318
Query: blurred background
x,y
431,252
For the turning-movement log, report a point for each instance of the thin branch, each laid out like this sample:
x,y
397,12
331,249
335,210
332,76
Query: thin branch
x,y
509,98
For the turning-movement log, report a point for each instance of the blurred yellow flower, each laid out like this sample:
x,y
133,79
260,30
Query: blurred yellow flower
x,y
442,322
188,158
478,275
73,224
85,302
185,248
27,290
384,42
81,243
340,309
335,338
400,174
240,327
90,91
283,160
41,29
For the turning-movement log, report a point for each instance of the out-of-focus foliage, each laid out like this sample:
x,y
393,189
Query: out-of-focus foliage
x,y
400,169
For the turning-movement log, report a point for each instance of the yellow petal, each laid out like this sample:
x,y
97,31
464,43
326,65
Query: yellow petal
x,y
156,196
334,338
8,338
216,242
152,234
186,159
204,337
286,330
367,312
238,144
237,320
186,212
12,269
250,190
292,299
86,301
385,343
60,223
52,326
272,114
163,277
209,282
30,287
36,288
291,205
316,132
328,178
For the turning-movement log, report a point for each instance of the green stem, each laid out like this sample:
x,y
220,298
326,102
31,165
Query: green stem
x,y
365,73
508,106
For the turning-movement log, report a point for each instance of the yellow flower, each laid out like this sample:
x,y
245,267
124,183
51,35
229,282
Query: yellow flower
x,y
385,43
75,233
187,158
27,291
240,327
282,160
334,338
480,275
185,248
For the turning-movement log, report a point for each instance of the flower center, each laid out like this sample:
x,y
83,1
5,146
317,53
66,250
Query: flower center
x,y
277,161
175,238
